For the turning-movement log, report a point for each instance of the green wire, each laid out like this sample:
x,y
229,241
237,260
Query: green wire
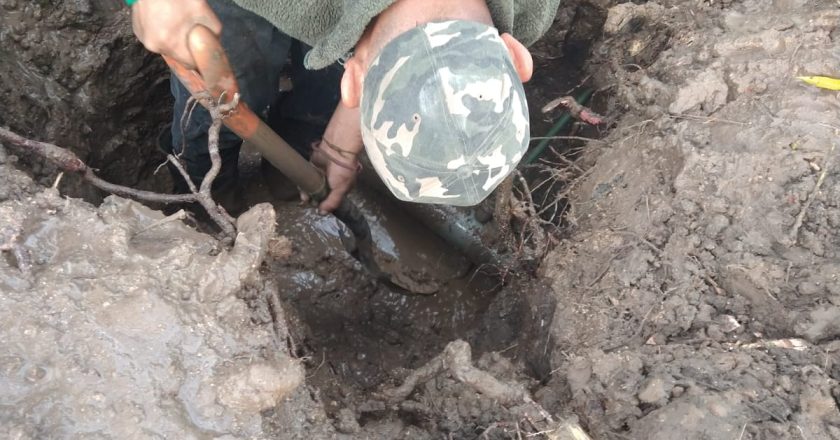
x,y
561,123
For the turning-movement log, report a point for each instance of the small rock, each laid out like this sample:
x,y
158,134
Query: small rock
x,y
713,331
822,324
9,5
718,409
280,248
717,224
809,288
654,391
706,93
346,422
728,323
784,382
620,16
677,391
579,374
689,207
260,386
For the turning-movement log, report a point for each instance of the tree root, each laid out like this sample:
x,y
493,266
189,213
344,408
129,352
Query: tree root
x,y
579,112
793,235
66,161
456,360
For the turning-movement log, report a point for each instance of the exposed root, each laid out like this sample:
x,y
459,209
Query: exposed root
x,y
533,229
218,112
66,161
501,213
456,360
579,112
794,231
283,337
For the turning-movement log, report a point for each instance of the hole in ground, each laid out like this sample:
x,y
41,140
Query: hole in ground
x,y
357,334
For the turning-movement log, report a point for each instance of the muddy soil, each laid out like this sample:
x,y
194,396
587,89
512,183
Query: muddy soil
x,y
117,325
73,73
694,293
698,296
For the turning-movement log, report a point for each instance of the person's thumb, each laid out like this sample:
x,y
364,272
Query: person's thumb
x,y
332,201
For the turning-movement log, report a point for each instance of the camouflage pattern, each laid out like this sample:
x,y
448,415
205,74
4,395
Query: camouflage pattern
x,y
444,115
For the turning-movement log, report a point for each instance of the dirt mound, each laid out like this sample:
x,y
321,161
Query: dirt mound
x,y
73,73
116,325
698,296
695,296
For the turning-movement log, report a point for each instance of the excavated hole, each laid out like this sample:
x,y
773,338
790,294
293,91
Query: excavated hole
x,y
356,335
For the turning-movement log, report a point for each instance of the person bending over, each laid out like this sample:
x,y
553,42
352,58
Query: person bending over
x,y
431,89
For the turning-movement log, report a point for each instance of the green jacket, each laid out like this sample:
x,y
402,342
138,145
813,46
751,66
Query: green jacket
x,y
332,27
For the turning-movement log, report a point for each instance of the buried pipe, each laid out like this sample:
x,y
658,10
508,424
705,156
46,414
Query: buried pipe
x,y
459,227
456,227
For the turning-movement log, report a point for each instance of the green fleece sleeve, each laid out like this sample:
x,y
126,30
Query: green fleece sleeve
x,y
332,27
527,20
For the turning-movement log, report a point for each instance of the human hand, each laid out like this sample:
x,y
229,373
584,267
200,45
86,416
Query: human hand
x,y
341,170
164,25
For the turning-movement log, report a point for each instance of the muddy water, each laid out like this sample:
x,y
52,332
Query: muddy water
x,y
356,332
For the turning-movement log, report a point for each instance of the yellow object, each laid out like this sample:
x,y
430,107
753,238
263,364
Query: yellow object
x,y
823,82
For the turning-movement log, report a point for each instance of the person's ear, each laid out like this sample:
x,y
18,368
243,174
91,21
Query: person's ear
x,y
351,83
521,57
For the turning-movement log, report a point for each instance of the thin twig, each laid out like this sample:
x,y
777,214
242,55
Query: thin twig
x,y
571,138
766,411
744,428
603,271
180,167
484,434
138,194
178,216
323,360
66,161
794,231
281,331
58,180
705,119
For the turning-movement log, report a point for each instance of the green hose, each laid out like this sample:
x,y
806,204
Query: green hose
x,y
561,124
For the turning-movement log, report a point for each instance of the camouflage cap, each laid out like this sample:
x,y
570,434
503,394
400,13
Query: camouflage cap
x,y
444,115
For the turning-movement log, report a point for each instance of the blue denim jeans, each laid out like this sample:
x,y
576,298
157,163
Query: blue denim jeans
x,y
258,53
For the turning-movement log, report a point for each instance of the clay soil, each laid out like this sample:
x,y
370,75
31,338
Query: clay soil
x,y
692,290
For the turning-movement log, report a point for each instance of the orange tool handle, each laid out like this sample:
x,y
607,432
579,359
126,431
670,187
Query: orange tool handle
x,y
215,76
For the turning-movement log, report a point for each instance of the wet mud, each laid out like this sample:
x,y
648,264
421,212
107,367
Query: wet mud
x,y
693,292
122,330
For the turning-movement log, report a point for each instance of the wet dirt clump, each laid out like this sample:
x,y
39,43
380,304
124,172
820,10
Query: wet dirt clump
x,y
697,296
120,325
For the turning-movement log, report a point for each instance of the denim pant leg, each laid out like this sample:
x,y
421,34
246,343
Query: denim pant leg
x,y
257,52
301,115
